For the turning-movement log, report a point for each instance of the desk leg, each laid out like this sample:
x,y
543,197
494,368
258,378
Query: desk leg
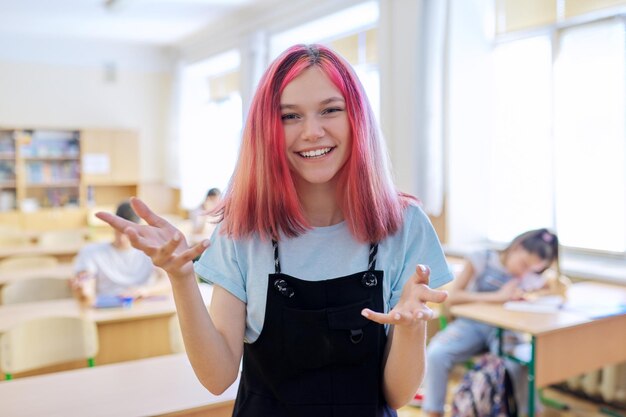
x,y
529,365
531,379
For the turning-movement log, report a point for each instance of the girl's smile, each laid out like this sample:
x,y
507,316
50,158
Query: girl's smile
x,y
316,153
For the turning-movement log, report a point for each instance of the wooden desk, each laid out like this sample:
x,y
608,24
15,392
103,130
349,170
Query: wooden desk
x,y
141,331
161,386
564,343
65,253
61,271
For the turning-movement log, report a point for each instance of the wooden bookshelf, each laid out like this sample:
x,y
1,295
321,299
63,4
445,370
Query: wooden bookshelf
x,y
52,178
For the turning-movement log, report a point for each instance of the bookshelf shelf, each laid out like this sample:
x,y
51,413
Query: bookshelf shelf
x,y
52,158
54,168
55,184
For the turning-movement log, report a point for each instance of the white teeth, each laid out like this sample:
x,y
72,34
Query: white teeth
x,y
315,153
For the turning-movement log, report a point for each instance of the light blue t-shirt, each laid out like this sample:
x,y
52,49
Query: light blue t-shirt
x,y
242,266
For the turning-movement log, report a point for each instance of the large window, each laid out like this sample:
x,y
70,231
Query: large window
x,y
559,152
590,151
210,123
520,169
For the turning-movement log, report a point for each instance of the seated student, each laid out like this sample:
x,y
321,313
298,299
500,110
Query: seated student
x,y
495,277
116,268
202,222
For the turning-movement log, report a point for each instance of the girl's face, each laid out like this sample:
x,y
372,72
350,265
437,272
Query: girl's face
x,y
520,262
317,130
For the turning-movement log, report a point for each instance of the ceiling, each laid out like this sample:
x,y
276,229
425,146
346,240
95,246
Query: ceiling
x,y
158,22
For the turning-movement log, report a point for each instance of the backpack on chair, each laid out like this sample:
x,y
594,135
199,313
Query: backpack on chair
x,y
485,391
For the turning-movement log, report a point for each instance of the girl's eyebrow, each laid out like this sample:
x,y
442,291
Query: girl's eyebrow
x,y
323,102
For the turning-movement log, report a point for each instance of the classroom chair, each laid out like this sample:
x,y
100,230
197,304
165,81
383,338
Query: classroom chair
x,y
34,289
19,262
12,237
62,237
41,342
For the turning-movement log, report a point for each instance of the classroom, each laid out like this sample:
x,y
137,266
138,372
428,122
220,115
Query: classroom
x,y
135,132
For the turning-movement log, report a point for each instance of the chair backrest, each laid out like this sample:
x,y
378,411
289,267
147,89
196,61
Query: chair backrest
x,y
34,289
62,237
42,342
14,263
11,237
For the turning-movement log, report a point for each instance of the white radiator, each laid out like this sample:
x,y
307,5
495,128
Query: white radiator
x,y
609,383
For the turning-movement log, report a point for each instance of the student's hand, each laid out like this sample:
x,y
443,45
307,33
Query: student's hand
x,y
83,287
411,308
510,291
159,239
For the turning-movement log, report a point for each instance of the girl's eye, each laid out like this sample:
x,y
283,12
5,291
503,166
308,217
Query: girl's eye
x,y
332,110
289,116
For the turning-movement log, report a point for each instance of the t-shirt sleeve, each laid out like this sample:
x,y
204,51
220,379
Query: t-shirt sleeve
x,y
422,247
219,265
84,261
478,259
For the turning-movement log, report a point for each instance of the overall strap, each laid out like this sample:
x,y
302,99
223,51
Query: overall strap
x,y
372,260
276,261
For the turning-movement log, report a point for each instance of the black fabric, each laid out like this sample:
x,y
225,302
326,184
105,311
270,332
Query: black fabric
x,y
509,395
316,356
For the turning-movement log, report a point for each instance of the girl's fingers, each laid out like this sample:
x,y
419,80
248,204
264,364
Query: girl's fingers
x,y
396,317
139,242
197,250
434,296
424,314
169,247
114,221
189,254
148,215
380,318
422,273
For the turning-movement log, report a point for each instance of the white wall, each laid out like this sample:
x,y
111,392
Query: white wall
x,y
62,83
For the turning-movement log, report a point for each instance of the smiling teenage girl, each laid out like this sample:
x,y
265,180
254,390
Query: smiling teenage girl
x,y
318,261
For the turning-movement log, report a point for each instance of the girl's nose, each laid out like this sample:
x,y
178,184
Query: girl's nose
x,y
312,129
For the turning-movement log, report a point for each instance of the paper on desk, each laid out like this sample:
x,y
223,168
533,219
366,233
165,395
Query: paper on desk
x,y
596,310
545,304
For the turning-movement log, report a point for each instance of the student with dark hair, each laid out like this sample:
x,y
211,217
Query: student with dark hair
x,y
116,268
495,277
202,219
318,263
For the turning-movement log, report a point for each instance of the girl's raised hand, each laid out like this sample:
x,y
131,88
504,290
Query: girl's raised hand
x,y
411,308
159,239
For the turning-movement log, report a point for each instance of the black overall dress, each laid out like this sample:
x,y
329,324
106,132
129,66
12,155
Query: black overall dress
x,y
317,356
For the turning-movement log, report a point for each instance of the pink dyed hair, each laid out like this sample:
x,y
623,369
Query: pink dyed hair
x,y
261,197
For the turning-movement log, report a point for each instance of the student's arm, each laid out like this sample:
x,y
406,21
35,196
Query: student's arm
x,y
83,283
213,343
83,287
403,363
459,294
